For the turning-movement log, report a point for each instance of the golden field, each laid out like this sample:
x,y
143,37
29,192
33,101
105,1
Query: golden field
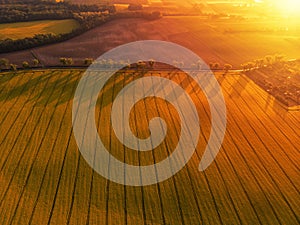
x,y
29,29
44,180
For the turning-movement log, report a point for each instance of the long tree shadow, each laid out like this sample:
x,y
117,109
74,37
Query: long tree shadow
x,y
66,81
21,88
6,77
117,82
52,82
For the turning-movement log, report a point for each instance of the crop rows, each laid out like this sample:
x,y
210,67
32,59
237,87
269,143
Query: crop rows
x,y
44,179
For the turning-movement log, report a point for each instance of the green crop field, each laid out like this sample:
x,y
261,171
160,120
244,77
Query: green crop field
x,y
29,29
44,179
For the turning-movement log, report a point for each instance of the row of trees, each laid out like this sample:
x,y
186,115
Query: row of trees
x,y
33,10
267,61
89,20
138,14
29,10
217,66
5,64
200,65
109,63
9,45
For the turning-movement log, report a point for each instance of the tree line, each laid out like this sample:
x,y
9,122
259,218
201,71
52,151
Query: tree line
x,y
267,61
5,64
110,64
9,45
31,10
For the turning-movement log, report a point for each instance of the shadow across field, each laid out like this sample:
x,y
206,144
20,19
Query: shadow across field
x,y
254,178
52,81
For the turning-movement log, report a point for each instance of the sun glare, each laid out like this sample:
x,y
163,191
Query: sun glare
x,y
288,7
